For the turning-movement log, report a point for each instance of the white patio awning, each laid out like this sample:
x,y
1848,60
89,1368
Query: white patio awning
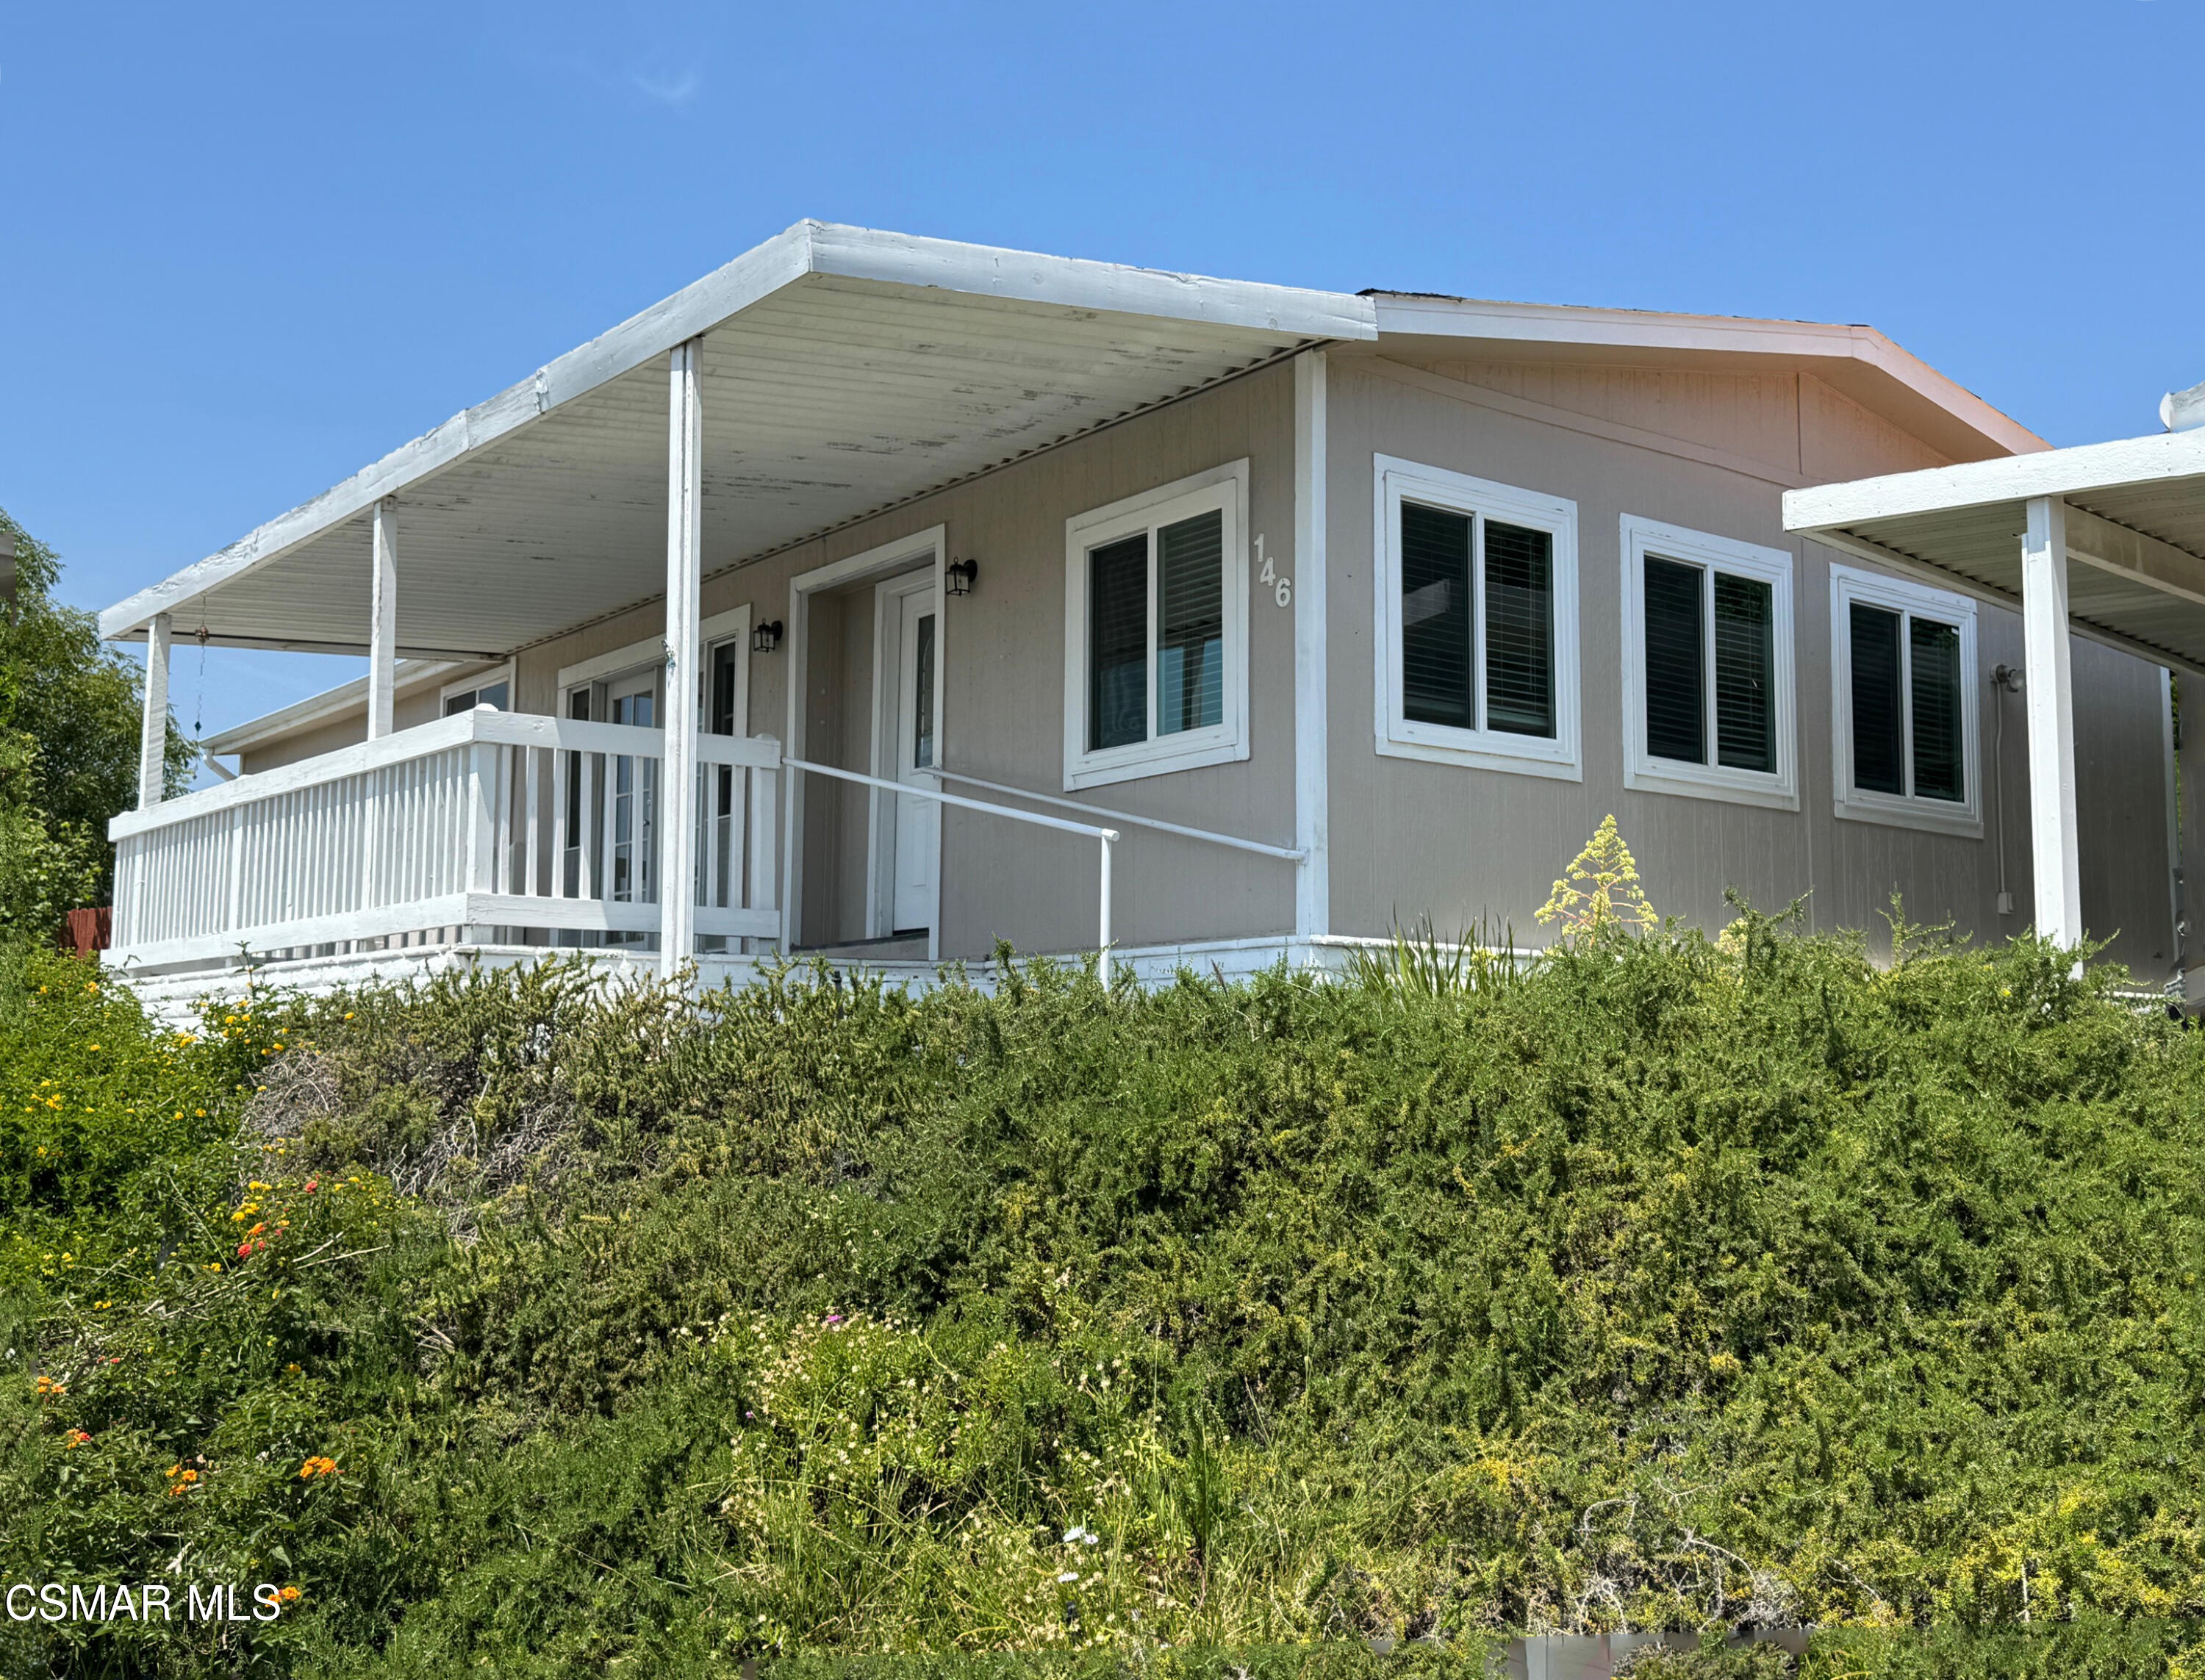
x,y
2106,541
2135,522
845,370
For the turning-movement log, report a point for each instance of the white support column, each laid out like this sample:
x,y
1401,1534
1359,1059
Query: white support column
x,y
383,621
153,729
2049,688
677,879
1312,709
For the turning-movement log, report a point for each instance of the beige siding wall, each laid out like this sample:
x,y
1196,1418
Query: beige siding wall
x,y
1002,671
1464,846
1709,451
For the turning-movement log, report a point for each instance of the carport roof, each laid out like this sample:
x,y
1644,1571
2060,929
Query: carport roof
x,y
2136,522
845,370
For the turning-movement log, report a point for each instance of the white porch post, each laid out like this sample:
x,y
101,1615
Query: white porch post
x,y
383,621
153,728
2050,691
1312,709
677,826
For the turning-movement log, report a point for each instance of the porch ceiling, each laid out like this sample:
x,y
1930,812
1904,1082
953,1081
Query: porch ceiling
x,y
845,370
2135,524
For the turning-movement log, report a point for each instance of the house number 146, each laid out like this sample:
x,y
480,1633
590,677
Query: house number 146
x,y
1282,587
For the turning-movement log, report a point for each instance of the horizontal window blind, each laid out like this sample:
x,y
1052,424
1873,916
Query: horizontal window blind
x,y
1933,650
1519,630
1118,643
1438,621
1878,743
1191,625
1676,662
1746,722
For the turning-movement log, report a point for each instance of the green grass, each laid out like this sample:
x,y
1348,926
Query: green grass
x,y
1666,1284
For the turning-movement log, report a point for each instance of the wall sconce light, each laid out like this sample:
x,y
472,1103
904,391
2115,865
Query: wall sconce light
x,y
766,638
960,575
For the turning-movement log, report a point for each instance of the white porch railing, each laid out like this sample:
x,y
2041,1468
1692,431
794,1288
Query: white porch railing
x,y
484,820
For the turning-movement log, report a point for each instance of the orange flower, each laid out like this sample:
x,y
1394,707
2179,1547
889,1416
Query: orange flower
x,y
316,1466
290,1595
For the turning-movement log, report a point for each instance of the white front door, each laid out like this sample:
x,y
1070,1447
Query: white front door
x,y
911,829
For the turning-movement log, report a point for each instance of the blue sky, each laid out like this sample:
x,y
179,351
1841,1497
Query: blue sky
x,y
249,249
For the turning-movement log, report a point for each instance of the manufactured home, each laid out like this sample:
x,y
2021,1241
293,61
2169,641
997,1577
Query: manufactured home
x,y
895,599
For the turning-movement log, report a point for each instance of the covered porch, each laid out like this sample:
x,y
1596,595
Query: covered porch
x,y
2104,541
830,376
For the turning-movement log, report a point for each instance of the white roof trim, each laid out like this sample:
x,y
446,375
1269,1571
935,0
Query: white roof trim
x,y
1730,334
2073,471
808,247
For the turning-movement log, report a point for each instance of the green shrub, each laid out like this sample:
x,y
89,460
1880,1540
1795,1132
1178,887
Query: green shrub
x,y
1669,1284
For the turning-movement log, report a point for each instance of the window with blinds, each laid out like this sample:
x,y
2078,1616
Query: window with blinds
x,y
1692,612
1676,662
1707,683
1118,643
1908,737
1155,631
1467,581
1191,625
1439,624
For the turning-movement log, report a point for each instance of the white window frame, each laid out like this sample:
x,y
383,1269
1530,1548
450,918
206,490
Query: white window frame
x,y
1777,790
1225,490
1848,584
1395,481
496,674
732,626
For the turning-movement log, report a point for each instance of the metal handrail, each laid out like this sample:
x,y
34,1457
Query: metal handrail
x,y
1106,837
1291,853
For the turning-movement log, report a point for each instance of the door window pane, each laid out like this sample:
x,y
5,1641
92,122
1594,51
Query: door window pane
x,y
720,715
1676,662
1746,722
1117,644
1520,633
922,746
1878,765
1438,620
1191,625
1934,652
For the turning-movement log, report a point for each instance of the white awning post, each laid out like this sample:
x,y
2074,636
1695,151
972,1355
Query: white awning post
x,y
677,891
2049,690
1104,947
383,621
1312,719
153,729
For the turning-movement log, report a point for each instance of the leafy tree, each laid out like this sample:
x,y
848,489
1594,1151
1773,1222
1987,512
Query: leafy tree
x,y
69,710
